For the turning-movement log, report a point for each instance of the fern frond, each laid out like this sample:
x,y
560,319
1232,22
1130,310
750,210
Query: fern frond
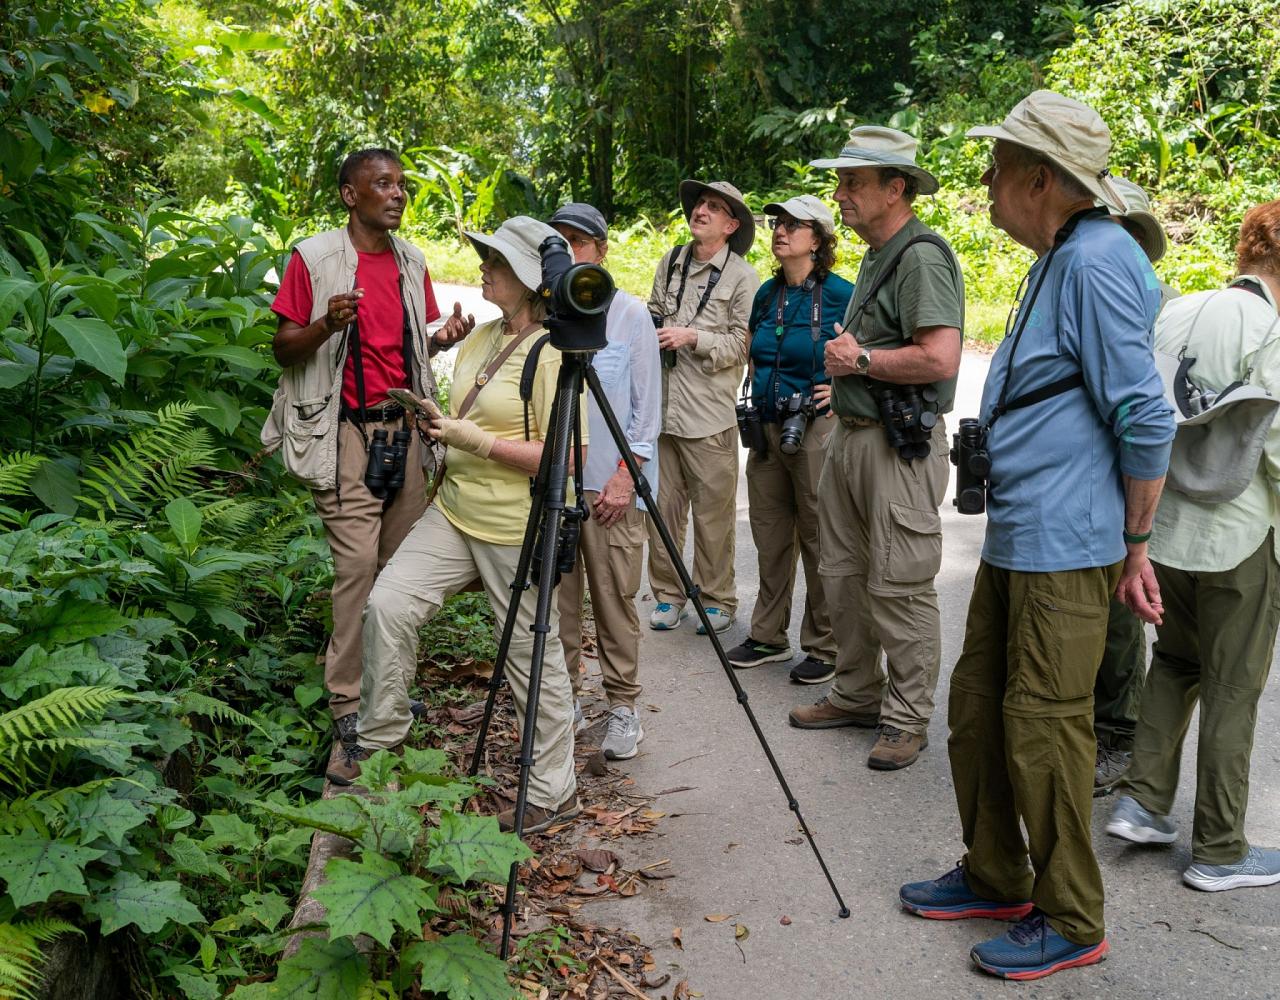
x,y
195,703
230,519
20,955
57,714
16,471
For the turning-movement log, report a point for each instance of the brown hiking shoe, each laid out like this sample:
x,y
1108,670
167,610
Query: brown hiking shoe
x,y
349,756
824,715
537,819
896,749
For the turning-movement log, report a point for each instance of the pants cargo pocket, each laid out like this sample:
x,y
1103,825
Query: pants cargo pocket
x,y
1057,646
915,545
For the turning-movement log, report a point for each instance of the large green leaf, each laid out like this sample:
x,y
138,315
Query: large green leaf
x,y
188,856
469,846
57,485
93,342
321,970
34,867
73,619
100,814
69,665
372,897
341,815
242,357
226,830
128,899
185,520
459,968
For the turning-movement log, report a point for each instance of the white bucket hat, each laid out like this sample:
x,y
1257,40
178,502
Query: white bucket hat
x,y
877,146
518,240
1137,209
806,208
1069,133
742,238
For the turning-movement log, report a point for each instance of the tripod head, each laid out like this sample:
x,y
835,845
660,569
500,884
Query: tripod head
x,y
577,297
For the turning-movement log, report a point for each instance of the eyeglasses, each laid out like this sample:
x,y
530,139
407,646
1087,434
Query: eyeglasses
x,y
494,259
578,242
790,225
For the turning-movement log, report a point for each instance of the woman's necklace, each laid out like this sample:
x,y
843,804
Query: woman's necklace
x,y
482,376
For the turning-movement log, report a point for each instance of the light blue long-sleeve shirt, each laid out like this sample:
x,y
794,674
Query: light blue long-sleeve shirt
x,y
630,373
1056,497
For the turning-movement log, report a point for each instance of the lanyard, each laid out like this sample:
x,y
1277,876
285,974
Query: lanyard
x,y
684,277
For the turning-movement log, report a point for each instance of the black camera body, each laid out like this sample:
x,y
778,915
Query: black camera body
x,y
909,414
794,414
668,357
384,475
751,427
973,465
577,298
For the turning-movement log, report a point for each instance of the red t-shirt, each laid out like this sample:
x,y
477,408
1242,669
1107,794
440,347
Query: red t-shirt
x,y
380,315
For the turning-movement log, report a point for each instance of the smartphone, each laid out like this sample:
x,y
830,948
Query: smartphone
x,y
412,403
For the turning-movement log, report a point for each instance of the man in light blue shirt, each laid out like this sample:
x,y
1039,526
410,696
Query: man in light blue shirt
x,y
1079,435
612,543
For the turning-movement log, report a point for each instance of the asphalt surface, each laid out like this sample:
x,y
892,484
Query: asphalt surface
x,y
736,849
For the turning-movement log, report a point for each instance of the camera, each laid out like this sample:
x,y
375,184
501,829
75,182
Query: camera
x,y
794,414
570,532
909,414
751,427
577,298
384,475
668,357
973,465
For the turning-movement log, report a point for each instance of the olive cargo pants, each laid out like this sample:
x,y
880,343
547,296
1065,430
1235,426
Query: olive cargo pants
x,y
1120,676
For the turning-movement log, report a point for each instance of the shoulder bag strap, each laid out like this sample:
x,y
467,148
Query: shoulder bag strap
x,y
887,273
465,407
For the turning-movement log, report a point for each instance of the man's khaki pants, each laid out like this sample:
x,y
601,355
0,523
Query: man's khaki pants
x,y
435,562
1022,747
612,558
702,474
362,537
782,491
881,541
1214,648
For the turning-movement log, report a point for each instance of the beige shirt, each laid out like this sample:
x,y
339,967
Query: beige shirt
x,y
699,393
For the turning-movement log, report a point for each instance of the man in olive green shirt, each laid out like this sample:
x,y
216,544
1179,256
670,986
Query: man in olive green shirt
x,y
880,532
701,302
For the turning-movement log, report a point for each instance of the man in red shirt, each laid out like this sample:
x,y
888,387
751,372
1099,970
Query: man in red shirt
x,y
354,306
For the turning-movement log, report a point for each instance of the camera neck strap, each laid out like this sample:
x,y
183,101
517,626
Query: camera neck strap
x,y
712,279
1067,382
813,286
357,356
864,303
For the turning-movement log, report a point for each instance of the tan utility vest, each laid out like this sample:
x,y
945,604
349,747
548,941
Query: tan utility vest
x,y
303,423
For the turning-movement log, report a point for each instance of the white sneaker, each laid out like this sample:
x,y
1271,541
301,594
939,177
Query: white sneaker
x,y
1261,866
665,617
720,620
624,733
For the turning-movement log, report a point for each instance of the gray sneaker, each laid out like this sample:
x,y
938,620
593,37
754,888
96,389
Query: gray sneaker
x,y
624,733
1261,866
579,720
1109,766
1129,821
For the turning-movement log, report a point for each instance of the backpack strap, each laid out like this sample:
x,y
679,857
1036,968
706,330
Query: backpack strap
x,y
527,376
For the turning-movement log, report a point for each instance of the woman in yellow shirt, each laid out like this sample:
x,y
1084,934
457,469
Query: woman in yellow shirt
x,y
475,527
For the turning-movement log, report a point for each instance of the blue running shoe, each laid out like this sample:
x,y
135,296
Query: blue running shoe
x,y
950,898
1031,949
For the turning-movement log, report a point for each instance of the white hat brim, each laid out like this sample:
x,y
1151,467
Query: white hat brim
x,y
528,270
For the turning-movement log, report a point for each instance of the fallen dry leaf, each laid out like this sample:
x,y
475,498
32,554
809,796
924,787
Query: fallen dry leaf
x,y
740,931
676,939
598,859
785,921
717,918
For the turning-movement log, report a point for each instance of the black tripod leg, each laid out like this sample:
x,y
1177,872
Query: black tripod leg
x,y
519,585
565,411
691,591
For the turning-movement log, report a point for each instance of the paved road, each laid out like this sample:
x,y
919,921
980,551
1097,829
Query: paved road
x,y
733,842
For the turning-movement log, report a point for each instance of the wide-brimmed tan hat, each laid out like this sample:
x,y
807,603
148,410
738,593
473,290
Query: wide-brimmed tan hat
x,y
1069,133
806,208
878,146
742,238
518,240
1137,209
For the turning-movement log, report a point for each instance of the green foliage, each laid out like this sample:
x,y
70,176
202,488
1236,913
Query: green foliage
x,y
459,968
20,955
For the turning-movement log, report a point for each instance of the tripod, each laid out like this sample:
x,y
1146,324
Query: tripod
x,y
543,533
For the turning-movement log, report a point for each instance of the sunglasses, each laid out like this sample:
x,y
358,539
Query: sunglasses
x,y
790,225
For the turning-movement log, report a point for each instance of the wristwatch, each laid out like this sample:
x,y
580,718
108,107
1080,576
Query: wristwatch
x,y
863,364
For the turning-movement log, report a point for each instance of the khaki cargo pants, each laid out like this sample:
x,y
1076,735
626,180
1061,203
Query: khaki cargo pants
x,y
1022,747
362,537
612,558
435,562
782,493
881,540
699,474
1214,648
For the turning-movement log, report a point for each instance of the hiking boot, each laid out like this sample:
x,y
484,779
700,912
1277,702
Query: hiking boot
x,y
1129,821
811,670
950,898
579,720
345,728
1109,766
720,620
752,654
1031,949
346,768
624,733
537,819
824,715
416,709
896,749
1261,866
665,617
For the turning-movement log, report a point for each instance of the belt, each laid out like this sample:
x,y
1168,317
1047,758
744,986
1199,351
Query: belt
x,y
383,414
854,423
